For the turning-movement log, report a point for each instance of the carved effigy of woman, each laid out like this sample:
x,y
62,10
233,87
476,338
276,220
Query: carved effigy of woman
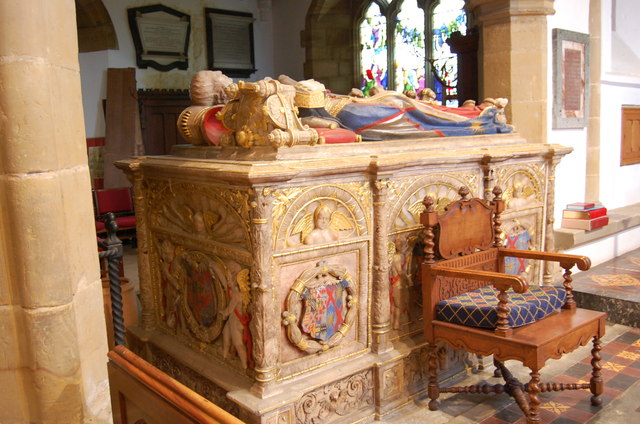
x,y
172,277
391,115
236,332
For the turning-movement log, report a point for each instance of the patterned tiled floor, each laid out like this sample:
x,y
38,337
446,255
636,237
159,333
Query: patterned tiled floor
x,y
620,372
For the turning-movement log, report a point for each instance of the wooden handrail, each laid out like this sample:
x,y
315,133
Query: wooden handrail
x,y
184,399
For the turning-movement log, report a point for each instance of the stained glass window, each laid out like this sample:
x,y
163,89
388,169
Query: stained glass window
x,y
409,60
419,59
448,17
373,56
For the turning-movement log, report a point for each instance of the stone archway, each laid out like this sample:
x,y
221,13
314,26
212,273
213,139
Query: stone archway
x,y
95,28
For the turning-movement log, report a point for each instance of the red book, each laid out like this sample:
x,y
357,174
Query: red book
x,y
585,214
585,224
580,206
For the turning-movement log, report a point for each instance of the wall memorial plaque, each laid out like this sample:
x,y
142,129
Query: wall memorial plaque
x,y
230,42
161,37
570,79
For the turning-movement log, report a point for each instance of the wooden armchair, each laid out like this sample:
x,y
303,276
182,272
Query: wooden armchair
x,y
471,304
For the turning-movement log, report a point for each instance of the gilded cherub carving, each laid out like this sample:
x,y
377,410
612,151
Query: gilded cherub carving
x,y
323,226
236,329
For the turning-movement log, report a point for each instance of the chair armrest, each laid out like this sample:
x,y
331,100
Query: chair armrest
x,y
500,281
566,261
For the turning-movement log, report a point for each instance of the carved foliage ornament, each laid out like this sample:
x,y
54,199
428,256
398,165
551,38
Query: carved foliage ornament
x,y
329,403
321,308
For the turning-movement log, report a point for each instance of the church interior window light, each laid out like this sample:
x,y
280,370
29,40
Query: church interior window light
x,y
417,49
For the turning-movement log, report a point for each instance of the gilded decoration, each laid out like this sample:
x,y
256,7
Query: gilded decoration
x,y
522,220
205,296
263,114
321,215
336,400
404,246
321,308
407,195
201,211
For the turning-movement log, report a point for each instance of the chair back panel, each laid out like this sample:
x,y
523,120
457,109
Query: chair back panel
x,y
446,287
114,200
465,227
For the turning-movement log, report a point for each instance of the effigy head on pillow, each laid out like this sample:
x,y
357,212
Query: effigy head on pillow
x,y
250,114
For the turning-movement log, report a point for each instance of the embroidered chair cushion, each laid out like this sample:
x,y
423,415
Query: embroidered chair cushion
x,y
479,308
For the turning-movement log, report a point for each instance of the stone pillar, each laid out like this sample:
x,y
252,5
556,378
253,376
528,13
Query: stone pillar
x,y
52,329
592,190
265,320
380,305
514,61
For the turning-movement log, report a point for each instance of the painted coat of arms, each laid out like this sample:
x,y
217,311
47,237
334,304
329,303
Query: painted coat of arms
x,y
323,309
320,308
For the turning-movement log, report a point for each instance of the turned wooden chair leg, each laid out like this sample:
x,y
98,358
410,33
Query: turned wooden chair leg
x,y
597,385
534,397
498,371
433,388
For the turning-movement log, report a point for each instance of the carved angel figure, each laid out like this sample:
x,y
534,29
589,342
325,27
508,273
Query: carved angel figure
x,y
236,330
520,195
323,226
399,281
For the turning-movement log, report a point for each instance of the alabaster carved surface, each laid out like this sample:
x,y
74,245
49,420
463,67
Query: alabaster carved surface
x,y
350,396
202,290
263,114
321,214
192,380
523,222
404,239
292,281
324,301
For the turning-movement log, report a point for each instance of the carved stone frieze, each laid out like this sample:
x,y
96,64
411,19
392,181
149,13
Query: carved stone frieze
x,y
392,381
336,400
321,308
523,185
321,215
450,362
408,194
199,211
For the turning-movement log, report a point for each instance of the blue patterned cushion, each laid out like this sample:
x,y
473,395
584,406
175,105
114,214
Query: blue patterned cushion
x,y
479,308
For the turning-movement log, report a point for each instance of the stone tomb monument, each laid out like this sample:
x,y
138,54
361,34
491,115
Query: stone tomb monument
x,y
278,280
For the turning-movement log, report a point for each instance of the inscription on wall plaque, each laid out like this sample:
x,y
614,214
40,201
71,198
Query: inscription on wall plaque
x,y
570,79
161,37
230,42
